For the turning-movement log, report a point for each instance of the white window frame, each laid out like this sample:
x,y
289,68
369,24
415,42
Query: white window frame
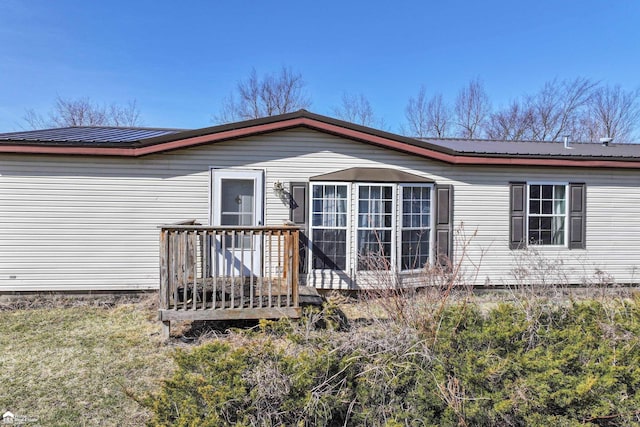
x,y
348,227
401,228
566,214
393,260
352,227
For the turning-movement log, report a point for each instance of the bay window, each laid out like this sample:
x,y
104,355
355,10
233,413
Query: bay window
x,y
388,225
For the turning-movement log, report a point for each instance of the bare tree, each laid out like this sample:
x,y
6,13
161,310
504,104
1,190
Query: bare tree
x,y
357,109
512,123
269,95
556,108
84,112
439,115
471,110
427,118
124,115
612,112
416,114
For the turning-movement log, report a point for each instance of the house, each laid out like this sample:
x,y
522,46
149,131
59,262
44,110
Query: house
x,y
80,208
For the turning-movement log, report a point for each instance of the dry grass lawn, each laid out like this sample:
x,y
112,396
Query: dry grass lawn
x,y
73,365
76,362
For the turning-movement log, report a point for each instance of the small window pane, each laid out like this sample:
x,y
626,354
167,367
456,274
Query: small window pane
x,y
534,207
534,223
534,192
375,192
558,231
545,223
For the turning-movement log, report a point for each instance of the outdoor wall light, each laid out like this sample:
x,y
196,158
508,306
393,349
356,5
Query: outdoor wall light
x,y
278,188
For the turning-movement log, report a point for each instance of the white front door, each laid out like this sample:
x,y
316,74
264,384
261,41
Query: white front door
x,y
237,200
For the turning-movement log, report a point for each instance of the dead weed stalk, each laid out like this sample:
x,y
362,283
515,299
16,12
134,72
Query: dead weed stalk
x,y
418,298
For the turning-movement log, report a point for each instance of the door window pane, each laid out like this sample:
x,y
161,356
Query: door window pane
x,y
237,202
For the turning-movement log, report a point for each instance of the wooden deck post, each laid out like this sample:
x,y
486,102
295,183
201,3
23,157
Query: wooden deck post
x,y
166,329
164,269
295,270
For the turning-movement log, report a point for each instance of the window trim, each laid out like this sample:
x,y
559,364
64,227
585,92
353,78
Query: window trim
x,y
347,227
432,220
353,189
566,213
393,261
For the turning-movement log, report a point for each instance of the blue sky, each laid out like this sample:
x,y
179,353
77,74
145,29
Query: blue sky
x,y
178,60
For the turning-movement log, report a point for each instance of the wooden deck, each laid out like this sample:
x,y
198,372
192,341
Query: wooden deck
x,y
228,273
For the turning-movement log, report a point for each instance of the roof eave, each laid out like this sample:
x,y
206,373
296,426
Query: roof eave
x,y
302,118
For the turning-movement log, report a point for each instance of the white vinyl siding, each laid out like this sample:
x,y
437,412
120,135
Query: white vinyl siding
x,y
90,223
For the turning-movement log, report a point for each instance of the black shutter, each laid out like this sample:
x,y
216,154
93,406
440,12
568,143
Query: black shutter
x,y
444,224
298,214
517,215
577,216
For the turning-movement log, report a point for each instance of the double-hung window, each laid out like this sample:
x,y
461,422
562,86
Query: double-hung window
x,y
547,214
547,211
415,232
375,226
329,220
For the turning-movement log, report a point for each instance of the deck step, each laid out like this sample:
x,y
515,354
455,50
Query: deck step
x,y
309,296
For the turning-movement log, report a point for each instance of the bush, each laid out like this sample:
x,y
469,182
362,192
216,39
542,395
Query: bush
x,y
582,367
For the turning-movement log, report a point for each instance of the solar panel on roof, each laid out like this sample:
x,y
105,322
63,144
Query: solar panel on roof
x,y
87,134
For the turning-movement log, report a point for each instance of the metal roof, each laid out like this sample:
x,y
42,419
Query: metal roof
x,y
535,148
135,142
87,134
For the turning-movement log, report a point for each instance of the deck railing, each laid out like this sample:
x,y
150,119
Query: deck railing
x,y
228,272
